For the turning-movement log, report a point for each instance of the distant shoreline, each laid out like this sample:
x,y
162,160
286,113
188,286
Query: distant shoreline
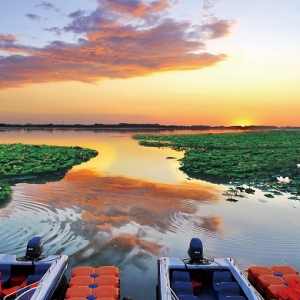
x,y
134,127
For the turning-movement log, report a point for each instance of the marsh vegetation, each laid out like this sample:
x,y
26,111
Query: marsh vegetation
x,y
18,160
245,160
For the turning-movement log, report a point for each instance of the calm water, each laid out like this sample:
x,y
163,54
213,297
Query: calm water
x,y
130,205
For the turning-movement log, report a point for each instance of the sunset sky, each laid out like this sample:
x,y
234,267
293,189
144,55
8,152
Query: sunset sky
x,y
184,62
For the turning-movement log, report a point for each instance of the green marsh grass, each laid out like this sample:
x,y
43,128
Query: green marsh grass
x,y
241,159
23,159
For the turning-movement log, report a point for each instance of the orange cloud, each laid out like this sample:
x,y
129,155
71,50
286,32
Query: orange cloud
x,y
112,47
8,38
218,28
135,8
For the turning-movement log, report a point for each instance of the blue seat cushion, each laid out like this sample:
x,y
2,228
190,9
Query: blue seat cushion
x,y
180,276
41,268
228,289
221,276
5,273
182,288
34,278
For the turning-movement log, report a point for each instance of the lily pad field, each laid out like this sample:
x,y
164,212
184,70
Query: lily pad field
x,y
18,160
266,160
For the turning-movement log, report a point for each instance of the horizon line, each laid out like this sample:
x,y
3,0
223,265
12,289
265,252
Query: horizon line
x,y
123,124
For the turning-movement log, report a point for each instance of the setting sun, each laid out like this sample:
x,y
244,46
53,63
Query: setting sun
x,y
243,122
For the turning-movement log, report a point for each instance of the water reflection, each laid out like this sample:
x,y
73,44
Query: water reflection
x,y
112,207
137,206
104,220
121,199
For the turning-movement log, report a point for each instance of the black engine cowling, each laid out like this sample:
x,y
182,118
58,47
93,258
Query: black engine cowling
x,y
34,248
195,251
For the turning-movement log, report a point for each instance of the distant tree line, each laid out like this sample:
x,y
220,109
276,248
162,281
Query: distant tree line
x,y
139,126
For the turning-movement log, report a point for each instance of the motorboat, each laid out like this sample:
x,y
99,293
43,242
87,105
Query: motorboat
x,y
33,276
198,278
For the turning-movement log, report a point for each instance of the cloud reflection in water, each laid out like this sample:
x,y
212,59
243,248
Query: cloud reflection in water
x,y
124,217
133,213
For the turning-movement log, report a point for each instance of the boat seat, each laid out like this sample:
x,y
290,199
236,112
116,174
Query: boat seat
x,y
228,289
41,268
182,288
17,279
13,289
185,276
5,273
19,289
180,276
34,278
29,287
221,276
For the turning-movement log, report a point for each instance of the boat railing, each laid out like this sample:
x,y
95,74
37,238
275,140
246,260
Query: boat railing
x,y
26,292
26,289
173,295
243,276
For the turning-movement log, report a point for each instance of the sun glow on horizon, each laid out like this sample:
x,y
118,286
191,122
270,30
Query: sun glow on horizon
x,y
243,122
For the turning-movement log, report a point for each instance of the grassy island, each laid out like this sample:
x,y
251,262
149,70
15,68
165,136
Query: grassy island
x,y
255,159
21,160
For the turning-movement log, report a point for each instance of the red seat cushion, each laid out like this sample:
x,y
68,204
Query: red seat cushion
x,y
13,289
197,286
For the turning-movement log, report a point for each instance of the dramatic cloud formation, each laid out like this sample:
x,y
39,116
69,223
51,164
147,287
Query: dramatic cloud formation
x,y
136,8
119,39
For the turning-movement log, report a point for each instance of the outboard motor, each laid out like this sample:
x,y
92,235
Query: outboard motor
x,y
195,251
35,248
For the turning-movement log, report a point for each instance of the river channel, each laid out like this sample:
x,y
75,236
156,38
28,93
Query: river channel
x,y
131,205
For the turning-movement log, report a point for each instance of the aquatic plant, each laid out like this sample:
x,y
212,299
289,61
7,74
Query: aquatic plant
x,y
5,190
23,159
250,157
